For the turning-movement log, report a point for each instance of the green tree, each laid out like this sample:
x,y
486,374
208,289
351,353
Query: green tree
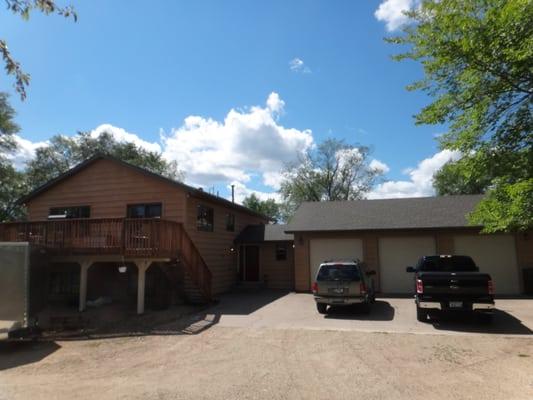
x,y
333,171
12,183
13,187
65,152
267,207
477,57
23,8
8,127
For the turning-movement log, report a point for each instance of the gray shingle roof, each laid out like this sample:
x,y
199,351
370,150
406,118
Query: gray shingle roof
x,y
264,233
411,213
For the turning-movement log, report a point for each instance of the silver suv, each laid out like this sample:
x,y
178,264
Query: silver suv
x,y
343,283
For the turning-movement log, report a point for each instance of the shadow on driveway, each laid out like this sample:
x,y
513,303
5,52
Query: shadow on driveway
x,y
379,311
173,322
14,353
502,323
246,301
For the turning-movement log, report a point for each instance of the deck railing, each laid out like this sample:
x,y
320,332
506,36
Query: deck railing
x,y
135,237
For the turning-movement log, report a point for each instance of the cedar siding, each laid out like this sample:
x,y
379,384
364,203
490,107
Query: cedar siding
x,y
215,247
277,274
108,187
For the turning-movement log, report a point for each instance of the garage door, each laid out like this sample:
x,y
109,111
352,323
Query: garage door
x,y
495,254
331,249
397,253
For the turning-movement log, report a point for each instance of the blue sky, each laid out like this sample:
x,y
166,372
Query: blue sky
x,y
144,68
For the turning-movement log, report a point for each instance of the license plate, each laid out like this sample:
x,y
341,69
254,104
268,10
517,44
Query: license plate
x,y
456,304
338,290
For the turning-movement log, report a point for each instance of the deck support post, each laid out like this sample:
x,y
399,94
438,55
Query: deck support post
x,y
142,266
84,268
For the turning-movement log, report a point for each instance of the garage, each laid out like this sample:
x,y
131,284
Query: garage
x,y
494,254
395,254
333,249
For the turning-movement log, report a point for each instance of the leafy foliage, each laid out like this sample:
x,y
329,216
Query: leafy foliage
x,y
13,187
7,126
12,184
333,171
65,152
515,216
267,207
477,57
24,8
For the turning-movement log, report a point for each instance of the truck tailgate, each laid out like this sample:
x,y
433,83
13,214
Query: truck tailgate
x,y
461,284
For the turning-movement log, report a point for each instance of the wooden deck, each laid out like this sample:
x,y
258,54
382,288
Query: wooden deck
x,y
135,237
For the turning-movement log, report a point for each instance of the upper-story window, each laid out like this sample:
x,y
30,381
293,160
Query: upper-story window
x,y
230,222
204,218
69,212
152,210
281,252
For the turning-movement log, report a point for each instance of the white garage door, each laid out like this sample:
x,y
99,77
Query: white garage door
x,y
494,254
397,253
333,249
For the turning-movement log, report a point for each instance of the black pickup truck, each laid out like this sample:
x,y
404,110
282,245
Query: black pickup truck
x,y
451,283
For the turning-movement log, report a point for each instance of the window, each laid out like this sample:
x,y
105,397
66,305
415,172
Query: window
x,y
204,218
144,210
230,222
338,272
70,212
281,252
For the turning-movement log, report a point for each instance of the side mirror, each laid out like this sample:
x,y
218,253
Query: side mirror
x,y
370,273
410,269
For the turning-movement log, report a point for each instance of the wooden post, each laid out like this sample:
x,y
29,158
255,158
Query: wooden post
x,y
142,266
84,268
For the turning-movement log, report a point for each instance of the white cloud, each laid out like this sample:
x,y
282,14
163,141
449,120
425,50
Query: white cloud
x,y
392,12
380,166
25,151
246,144
242,191
298,65
123,136
420,181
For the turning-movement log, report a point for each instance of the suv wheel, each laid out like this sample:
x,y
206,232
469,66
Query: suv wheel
x,y
321,307
421,314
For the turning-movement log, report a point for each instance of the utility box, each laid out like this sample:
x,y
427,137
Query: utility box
x,y
22,284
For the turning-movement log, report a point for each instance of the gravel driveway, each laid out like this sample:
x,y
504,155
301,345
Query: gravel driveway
x,y
247,353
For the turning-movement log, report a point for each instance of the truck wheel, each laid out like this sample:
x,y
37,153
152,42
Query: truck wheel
x,y
321,307
421,314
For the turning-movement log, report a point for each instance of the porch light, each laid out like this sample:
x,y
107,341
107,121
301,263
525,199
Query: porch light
x,y
122,269
232,249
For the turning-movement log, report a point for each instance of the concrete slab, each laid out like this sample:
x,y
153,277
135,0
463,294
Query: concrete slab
x,y
282,310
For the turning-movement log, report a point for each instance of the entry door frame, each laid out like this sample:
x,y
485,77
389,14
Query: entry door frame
x,y
243,266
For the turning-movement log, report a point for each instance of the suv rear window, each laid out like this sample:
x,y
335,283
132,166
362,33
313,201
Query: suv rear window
x,y
447,264
338,272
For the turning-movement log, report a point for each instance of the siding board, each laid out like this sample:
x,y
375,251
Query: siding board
x,y
215,247
108,187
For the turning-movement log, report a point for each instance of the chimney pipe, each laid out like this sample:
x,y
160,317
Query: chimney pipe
x,y
233,193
